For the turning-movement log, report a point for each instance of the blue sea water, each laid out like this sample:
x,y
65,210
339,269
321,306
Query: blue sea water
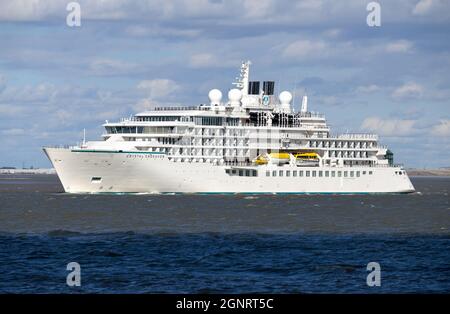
x,y
223,244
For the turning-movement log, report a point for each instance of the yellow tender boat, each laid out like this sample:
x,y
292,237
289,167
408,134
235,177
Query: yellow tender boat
x,y
279,155
273,157
261,160
284,158
306,155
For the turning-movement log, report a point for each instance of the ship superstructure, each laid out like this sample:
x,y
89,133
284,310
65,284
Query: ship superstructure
x,y
253,142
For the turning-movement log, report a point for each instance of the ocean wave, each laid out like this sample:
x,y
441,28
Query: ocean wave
x,y
63,233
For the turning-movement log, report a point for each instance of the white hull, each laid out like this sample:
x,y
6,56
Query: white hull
x,y
138,172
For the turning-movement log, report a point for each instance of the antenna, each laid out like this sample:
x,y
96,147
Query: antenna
x,y
293,94
84,137
304,104
242,80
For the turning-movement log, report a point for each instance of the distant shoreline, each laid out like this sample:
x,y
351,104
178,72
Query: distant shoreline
x,y
411,172
428,172
28,171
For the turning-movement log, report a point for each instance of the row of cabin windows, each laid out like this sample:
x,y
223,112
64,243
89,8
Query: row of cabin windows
x,y
158,118
208,120
198,120
341,144
316,173
242,172
298,173
124,129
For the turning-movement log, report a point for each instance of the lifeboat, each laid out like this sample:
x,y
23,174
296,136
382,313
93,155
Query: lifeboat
x,y
307,159
279,158
261,159
273,158
306,155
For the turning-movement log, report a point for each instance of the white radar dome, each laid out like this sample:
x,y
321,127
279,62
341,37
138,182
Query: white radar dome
x,y
215,96
285,97
234,94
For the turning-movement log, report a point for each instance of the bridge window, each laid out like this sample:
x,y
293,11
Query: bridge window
x,y
208,120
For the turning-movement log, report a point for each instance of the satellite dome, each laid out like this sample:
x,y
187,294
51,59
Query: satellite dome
x,y
234,95
285,97
215,96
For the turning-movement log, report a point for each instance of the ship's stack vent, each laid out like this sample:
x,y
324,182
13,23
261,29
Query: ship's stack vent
x,y
253,88
268,87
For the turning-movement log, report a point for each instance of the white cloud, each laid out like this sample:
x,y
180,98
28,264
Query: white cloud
x,y
367,88
145,104
29,94
10,110
333,32
303,49
202,60
158,88
400,46
432,10
111,67
389,127
408,90
237,12
315,49
422,7
24,10
327,100
207,60
310,4
2,83
441,129
141,31
13,132
258,8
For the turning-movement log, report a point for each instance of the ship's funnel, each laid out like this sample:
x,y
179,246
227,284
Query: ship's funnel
x,y
253,88
268,87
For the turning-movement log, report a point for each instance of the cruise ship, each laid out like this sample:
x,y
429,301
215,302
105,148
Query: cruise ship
x,y
251,142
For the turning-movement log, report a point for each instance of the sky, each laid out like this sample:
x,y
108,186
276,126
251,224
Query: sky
x,y
129,56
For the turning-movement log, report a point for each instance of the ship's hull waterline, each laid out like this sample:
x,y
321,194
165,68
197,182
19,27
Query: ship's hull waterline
x,y
90,171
